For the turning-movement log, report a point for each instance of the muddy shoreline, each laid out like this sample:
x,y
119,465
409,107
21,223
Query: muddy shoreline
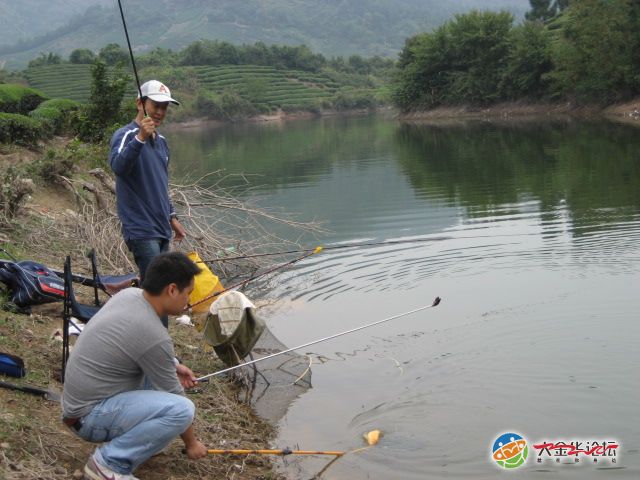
x,y
628,112
278,117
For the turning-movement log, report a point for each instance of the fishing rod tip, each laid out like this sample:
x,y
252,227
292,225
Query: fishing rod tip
x,y
436,302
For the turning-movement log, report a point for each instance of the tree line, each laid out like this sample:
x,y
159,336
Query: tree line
x,y
584,51
214,53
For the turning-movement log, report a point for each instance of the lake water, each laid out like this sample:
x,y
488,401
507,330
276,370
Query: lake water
x,y
529,232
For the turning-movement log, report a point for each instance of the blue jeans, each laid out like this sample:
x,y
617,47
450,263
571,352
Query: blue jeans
x,y
143,252
136,425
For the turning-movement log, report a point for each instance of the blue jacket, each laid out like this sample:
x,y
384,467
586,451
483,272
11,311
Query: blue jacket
x,y
142,184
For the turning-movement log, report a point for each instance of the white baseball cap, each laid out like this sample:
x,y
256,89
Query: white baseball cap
x,y
157,91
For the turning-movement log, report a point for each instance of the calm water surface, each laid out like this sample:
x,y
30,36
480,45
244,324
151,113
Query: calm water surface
x,y
529,233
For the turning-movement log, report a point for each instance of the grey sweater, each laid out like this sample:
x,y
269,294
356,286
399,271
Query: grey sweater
x,y
124,342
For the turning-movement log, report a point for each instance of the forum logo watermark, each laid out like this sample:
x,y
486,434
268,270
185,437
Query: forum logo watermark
x,y
511,450
577,451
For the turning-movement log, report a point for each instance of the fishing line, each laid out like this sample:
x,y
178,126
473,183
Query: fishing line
x,y
133,62
352,245
435,303
283,452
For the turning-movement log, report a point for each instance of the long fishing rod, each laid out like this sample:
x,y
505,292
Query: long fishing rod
x,y
435,303
283,452
351,245
133,62
334,247
244,282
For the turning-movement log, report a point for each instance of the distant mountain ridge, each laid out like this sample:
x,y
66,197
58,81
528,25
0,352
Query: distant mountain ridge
x,y
331,27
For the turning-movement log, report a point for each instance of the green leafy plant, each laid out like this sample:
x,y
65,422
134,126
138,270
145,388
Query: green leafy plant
x,y
16,98
103,109
12,192
56,114
20,129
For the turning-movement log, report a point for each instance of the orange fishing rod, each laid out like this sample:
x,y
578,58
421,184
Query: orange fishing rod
x,y
285,451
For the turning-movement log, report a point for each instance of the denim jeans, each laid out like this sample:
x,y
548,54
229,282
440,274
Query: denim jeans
x,y
136,425
143,252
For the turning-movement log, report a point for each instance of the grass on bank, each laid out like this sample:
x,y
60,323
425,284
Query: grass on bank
x,y
33,442
35,445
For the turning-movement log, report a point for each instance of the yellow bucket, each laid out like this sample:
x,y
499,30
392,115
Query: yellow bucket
x,y
205,285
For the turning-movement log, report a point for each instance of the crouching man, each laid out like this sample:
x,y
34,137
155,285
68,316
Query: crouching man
x,y
122,385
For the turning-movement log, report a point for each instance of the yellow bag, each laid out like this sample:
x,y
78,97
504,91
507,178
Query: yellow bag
x,y
206,284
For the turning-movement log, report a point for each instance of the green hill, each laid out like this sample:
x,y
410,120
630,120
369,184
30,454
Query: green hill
x,y
263,88
63,81
267,86
331,27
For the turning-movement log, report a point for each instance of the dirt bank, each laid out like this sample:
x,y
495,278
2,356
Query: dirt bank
x,y
33,441
278,116
629,111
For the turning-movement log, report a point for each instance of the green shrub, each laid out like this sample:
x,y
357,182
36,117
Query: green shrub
x,y
226,106
56,115
19,129
234,106
16,98
13,190
51,166
209,105
312,106
352,100
60,103
103,110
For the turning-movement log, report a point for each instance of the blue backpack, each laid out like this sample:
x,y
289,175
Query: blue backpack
x,y
12,365
30,283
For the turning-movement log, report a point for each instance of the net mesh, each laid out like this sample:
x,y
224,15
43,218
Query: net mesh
x,y
238,334
276,382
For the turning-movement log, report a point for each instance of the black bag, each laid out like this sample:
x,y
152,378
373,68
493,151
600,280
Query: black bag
x,y
12,365
31,283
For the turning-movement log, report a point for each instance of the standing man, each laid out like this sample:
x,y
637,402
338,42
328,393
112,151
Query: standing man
x,y
122,387
139,157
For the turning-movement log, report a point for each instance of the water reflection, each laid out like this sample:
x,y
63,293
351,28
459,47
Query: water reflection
x,y
585,168
529,232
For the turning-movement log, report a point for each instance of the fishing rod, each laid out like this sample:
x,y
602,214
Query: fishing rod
x,y
283,452
244,282
351,245
334,247
435,303
133,62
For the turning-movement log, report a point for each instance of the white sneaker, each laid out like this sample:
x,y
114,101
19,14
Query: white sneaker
x,y
95,471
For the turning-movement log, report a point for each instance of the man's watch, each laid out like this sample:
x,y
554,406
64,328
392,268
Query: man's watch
x,y
173,215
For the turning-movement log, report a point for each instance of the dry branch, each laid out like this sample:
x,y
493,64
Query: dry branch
x,y
217,222
104,178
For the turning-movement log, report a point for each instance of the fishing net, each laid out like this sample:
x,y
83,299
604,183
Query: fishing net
x,y
237,334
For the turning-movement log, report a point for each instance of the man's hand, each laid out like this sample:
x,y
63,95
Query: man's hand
x,y
147,129
192,446
196,450
179,232
185,376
